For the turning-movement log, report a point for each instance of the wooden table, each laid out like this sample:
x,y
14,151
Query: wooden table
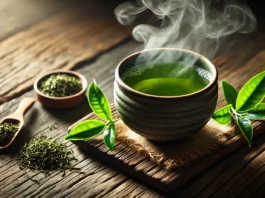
x,y
241,174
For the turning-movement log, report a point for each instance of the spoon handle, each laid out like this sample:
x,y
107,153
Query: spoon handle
x,y
24,105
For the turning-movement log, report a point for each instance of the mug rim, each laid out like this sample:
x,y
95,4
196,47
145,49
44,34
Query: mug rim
x,y
201,57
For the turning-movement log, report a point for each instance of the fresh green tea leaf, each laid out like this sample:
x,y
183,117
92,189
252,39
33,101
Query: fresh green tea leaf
x,y
257,113
246,128
91,128
86,130
109,136
251,93
222,116
98,102
260,107
256,116
230,93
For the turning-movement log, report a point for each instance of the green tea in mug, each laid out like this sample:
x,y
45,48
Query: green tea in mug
x,y
166,79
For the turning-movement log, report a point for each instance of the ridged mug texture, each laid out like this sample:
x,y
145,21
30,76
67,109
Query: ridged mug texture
x,y
165,118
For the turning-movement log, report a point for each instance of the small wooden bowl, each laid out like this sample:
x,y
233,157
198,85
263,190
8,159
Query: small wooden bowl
x,y
60,102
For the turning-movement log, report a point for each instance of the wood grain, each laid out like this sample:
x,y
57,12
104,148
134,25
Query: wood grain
x,y
61,41
41,121
19,15
148,171
165,180
97,179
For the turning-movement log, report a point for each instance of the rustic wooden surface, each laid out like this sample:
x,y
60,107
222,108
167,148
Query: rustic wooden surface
x,y
149,172
19,15
59,42
240,174
142,168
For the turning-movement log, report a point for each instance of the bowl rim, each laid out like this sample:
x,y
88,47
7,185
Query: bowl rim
x,y
201,57
62,71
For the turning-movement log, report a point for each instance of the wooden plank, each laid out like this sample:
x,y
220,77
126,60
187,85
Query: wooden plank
x,y
53,123
165,180
39,121
218,181
243,180
19,15
61,41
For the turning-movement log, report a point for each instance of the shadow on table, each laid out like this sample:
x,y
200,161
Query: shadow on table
x,y
69,116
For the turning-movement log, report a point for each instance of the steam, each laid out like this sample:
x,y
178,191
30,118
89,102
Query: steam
x,y
197,25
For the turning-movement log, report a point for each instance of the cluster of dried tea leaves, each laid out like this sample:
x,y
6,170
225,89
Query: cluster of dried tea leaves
x,y
45,154
7,132
60,85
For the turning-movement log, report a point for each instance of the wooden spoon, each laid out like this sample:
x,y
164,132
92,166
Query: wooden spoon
x,y
17,117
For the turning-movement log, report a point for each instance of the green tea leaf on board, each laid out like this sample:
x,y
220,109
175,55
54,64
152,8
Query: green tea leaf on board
x,y
256,116
257,113
259,108
98,102
251,93
222,116
230,93
86,130
109,136
246,128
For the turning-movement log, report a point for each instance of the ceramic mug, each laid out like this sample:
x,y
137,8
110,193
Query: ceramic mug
x,y
165,118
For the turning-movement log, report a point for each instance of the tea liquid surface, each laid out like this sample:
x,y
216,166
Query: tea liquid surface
x,y
165,79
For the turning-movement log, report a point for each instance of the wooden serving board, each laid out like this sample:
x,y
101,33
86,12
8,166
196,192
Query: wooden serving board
x,y
142,168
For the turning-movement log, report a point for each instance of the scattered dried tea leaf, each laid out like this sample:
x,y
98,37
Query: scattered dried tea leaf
x,y
46,155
